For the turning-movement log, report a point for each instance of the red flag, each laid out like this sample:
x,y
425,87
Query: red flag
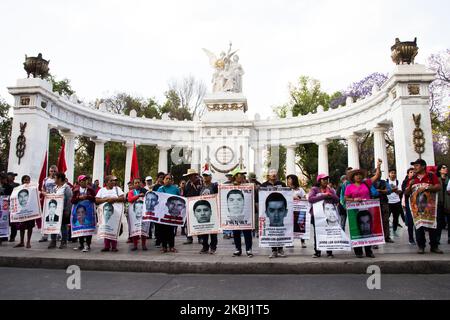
x,y
108,164
62,167
43,174
134,165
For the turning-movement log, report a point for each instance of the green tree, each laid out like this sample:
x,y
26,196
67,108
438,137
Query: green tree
x,y
5,134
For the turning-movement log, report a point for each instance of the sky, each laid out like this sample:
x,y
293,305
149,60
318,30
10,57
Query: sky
x,y
134,46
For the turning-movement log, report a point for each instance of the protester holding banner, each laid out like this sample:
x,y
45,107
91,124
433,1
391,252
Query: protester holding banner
x,y
192,189
422,188
62,188
111,194
167,232
48,186
83,192
9,187
443,211
299,194
321,192
359,190
26,225
208,188
135,196
405,204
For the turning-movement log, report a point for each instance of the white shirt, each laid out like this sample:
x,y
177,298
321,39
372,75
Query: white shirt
x,y
393,197
109,193
300,193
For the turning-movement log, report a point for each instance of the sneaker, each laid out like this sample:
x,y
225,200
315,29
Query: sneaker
x,y
412,242
79,248
105,250
212,251
421,251
237,253
317,255
436,250
281,253
63,245
249,253
330,255
203,251
52,244
43,239
274,254
389,240
85,249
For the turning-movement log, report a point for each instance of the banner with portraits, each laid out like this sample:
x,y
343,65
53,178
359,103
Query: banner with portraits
x,y
276,217
327,227
53,213
423,206
4,216
237,209
24,203
364,220
109,220
165,208
82,219
137,226
302,219
203,215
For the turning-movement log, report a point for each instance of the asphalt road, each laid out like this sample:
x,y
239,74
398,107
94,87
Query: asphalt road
x,y
43,284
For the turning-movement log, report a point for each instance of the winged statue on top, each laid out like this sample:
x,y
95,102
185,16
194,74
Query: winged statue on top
x,y
228,72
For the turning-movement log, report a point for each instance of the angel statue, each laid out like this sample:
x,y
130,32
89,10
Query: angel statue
x,y
228,72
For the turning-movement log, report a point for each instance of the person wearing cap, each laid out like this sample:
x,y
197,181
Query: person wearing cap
x,y
192,189
83,192
208,187
359,190
149,183
229,177
321,192
111,193
272,181
238,179
443,211
432,185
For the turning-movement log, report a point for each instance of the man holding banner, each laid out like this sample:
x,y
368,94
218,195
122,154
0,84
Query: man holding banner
x,y
422,189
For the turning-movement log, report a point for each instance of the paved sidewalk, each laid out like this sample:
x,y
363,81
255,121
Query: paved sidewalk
x,y
399,257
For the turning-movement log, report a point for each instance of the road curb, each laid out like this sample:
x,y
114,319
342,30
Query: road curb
x,y
256,267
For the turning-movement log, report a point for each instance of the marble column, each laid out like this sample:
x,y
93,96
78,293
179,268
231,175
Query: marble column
x,y
380,151
290,160
162,162
353,152
129,156
195,159
69,139
99,161
323,157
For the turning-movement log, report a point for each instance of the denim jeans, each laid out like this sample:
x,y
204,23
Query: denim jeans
x,y
247,237
64,234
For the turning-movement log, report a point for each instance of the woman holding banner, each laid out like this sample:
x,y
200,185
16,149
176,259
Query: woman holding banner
x,y
299,194
26,225
133,195
359,190
321,192
80,193
110,194
167,232
62,188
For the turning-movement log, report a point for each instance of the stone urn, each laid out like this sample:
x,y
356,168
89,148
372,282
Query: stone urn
x,y
36,66
404,52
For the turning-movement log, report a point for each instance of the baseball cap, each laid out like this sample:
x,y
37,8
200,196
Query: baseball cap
x,y
322,176
237,171
148,178
206,173
419,161
12,174
81,177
